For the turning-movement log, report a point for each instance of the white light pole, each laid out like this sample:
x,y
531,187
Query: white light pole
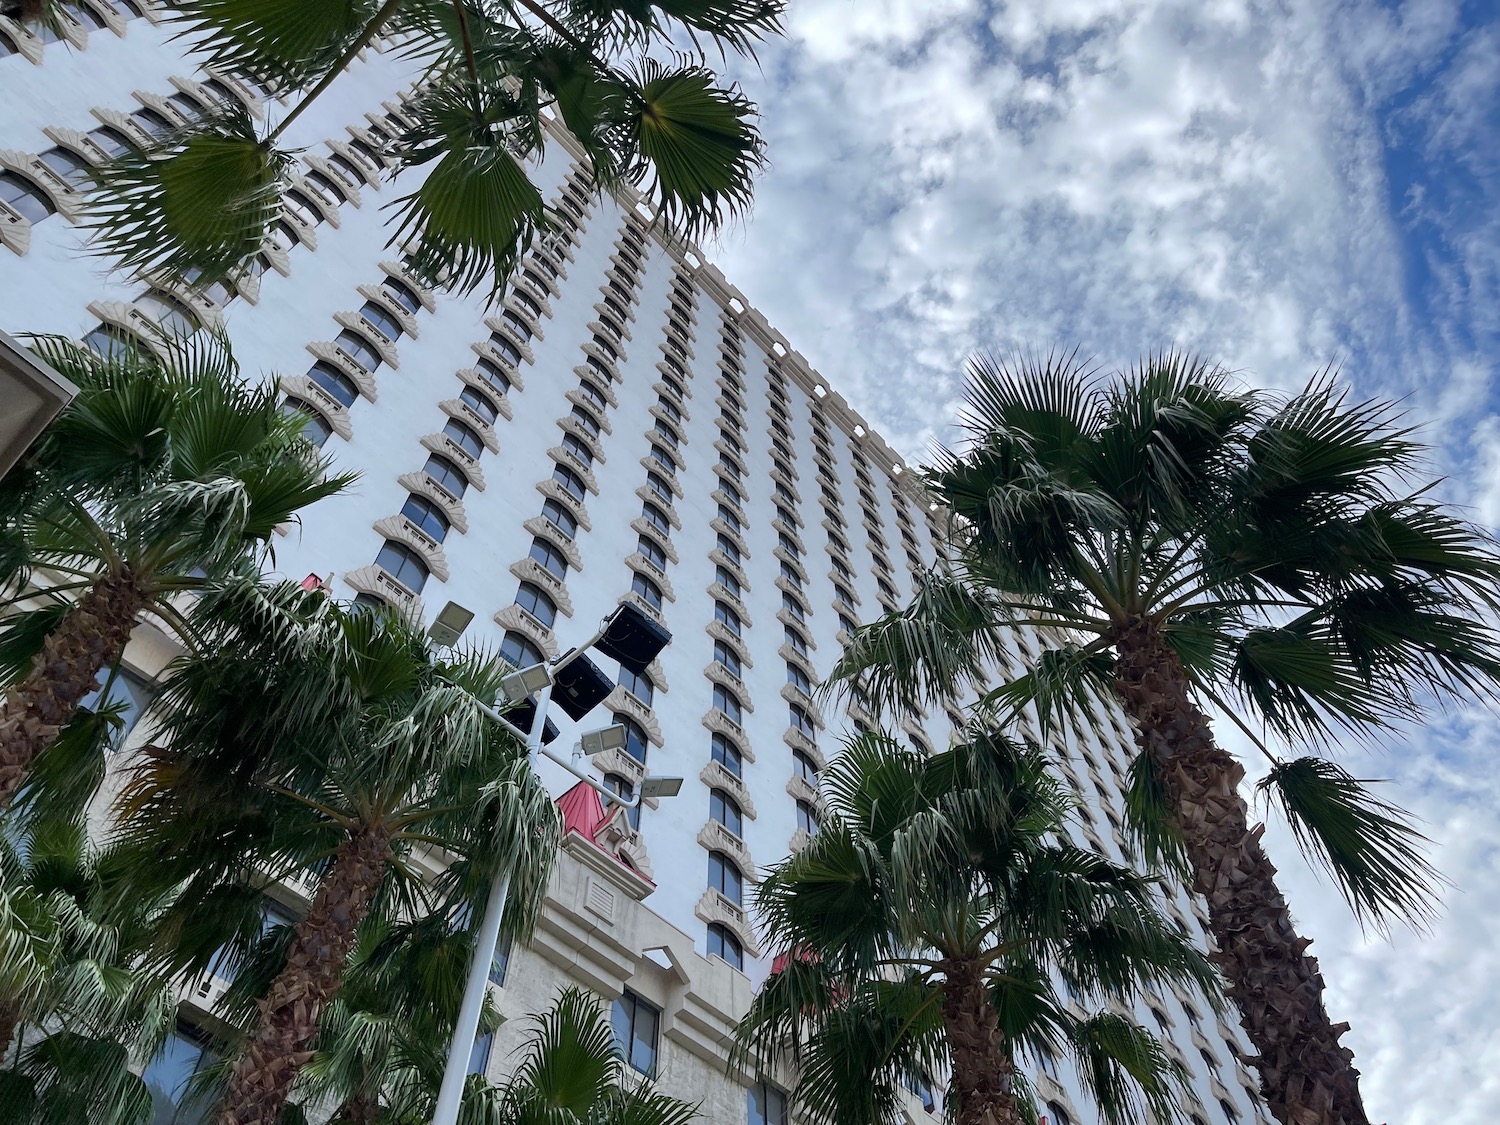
x,y
521,683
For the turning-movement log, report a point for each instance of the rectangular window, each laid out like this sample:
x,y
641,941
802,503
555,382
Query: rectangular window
x,y
500,962
127,691
636,1025
767,1105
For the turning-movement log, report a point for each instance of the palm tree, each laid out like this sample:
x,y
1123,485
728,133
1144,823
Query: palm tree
x,y
160,477
303,734
1180,542
920,926
573,1073
201,201
78,996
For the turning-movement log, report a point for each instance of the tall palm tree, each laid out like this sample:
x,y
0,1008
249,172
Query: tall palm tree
x,y
919,927
1180,542
160,477
631,81
572,1072
78,994
304,734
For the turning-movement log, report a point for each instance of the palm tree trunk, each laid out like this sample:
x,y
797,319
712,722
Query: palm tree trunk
x,y
88,640
10,1019
263,1076
1305,1076
362,1108
982,1065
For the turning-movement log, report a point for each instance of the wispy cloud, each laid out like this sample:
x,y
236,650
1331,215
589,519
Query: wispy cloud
x,y
1278,183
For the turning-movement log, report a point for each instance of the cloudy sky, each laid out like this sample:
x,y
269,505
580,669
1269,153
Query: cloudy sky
x,y
1279,184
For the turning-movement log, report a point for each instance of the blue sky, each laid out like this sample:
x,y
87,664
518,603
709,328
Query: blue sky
x,y
1279,184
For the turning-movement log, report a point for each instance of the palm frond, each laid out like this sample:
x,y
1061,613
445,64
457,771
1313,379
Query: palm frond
x,y
1061,684
198,203
1366,844
281,42
1127,1072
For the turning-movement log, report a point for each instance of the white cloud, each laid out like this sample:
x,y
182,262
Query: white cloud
x,y
1128,174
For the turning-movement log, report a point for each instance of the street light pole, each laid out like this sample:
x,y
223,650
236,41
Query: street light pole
x,y
462,1045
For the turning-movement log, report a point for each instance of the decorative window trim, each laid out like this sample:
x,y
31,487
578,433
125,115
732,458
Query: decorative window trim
x,y
486,350
641,526
357,158
384,346
714,837
423,485
516,618
247,97
550,489
714,907
495,324
778,524
318,163
378,294
562,457
735,537
577,398
125,316
543,527
444,446
374,580
617,761
610,365
569,424
335,413
363,379
458,409
28,45
649,497
791,694
621,700
401,529
799,788
66,198
529,570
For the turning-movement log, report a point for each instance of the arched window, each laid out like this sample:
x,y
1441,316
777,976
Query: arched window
x,y
358,349
507,350
493,376
517,324
430,519
302,207
726,578
656,518
727,754
571,482
794,639
728,703
549,557
725,877
7,46
578,449
799,719
651,551
480,403
534,601
798,679
666,432
335,382
519,651
667,407
726,810
1231,1115
368,151
731,517
403,564
1056,1115
463,436
330,192
382,320
639,686
793,607
636,741
788,544
727,617
663,458
175,318
153,124
730,491
367,603
67,164
560,518
659,486
586,420
315,427
110,342
649,591
111,142
729,547
446,475
25,197
726,656
606,347
622,787
805,767
790,573
807,818
723,944
593,394
346,171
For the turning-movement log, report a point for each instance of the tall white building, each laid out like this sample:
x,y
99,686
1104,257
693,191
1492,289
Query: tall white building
x,y
624,427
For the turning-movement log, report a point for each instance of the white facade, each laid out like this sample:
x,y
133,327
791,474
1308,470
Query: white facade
x,y
799,448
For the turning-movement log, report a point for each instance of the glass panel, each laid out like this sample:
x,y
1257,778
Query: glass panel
x,y
166,1078
25,197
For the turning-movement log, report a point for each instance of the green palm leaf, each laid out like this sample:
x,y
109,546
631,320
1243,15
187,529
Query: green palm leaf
x,y
198,203
281,42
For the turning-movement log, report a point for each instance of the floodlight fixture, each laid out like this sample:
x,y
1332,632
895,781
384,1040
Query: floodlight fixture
x,y
579,686
653,788
517,686
632,638
523,715
450,625
31,395
601,741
